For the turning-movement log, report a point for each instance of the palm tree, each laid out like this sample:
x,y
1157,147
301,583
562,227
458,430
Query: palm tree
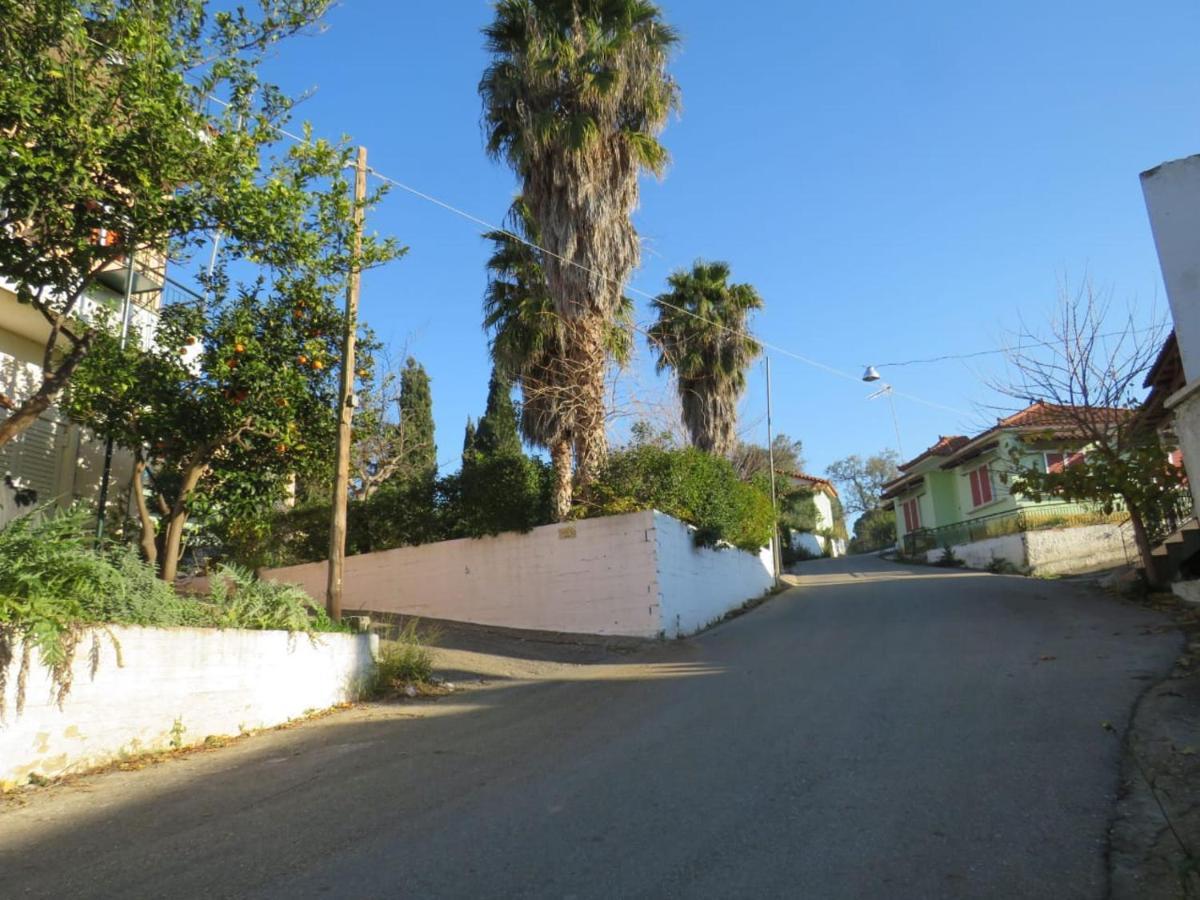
x,y
701,334
574,98
528,343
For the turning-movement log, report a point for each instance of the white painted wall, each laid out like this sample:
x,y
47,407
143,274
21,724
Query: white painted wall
x,y
1172,193
594,576
1053,551
1185,405
635,575
1070,551
978,554
210,682
697,585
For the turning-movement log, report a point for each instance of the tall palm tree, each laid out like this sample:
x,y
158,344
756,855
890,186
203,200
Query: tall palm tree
x,y
574,98
701,334
528,343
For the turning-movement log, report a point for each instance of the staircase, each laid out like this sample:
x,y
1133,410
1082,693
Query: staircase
x,y
1175,549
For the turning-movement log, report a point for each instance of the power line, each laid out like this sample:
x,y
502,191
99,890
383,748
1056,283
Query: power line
x,y
471,217
1022,346
429,198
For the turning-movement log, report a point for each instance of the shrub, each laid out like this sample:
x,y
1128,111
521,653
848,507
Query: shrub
x,y
874,530
998,565
497,493
405,660
695,487
54,582
237,599
948,560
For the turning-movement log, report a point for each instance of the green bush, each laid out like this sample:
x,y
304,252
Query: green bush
x,y
874,530
948,560
497,493
237,599
54,582
405,660
695,487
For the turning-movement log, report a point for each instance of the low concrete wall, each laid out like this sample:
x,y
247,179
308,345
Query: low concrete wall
x,y
697,585
978,554
633,575
170,687
1054,551
1069,551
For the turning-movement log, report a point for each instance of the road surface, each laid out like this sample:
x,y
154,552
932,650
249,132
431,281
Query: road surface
x,y
878,731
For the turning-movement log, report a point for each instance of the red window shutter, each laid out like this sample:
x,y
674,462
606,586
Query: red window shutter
x,y
907,516
1074,458
985,484
916,512
975,495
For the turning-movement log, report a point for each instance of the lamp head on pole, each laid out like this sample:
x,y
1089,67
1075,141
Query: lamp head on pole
x,y
870,374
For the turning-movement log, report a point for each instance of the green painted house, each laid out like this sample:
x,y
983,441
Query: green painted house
x,y
956,492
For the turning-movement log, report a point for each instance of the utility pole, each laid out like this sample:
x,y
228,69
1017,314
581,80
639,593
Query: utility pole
x,y
106,475
341,480
776,555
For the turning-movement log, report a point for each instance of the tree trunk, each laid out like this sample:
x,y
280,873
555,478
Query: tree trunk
x,y
52,384
560,456
149,538
1142,540
174,522
23,417
588,362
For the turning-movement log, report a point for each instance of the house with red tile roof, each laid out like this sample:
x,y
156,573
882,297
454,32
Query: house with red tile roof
x,y
956,492
828,535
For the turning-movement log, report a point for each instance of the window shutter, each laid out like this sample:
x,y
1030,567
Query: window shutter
x,y
907,516
1054,462
916,512
975,495
985,484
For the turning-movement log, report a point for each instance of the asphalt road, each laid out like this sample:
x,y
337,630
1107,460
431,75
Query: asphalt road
x,y
876,732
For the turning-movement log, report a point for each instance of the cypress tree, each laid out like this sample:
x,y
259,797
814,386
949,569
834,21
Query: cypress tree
x,y
469,442
416,419
497,432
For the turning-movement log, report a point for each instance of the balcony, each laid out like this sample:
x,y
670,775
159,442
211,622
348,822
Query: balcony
x,y
148,278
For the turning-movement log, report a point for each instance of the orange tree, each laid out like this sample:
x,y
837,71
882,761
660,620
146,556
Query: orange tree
x,y
237,394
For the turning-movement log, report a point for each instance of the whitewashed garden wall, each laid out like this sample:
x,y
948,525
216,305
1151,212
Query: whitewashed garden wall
x,y
634,575
135,690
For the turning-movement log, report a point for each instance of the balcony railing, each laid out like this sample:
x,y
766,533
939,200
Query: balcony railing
x,y
1160,523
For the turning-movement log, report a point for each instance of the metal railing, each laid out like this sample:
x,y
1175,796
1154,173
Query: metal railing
x,y
1013,521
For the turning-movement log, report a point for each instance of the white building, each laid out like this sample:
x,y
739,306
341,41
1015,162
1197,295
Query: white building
x,y
1172,192
819,542
55,461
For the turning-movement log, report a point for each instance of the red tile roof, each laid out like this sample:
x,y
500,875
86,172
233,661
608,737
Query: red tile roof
x,y
1041,414
946,444
821,484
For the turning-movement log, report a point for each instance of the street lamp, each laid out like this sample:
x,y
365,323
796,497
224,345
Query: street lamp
x,y
872,374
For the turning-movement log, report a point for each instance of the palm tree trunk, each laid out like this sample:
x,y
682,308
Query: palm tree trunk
x,y
588,360
560,456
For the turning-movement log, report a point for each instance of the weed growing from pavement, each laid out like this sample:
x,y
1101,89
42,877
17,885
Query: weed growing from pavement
x,y
405,661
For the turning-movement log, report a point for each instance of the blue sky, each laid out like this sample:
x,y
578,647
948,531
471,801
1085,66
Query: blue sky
x,y
897,182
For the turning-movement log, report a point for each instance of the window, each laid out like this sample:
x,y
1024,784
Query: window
x,y
912,514
1057,460
981,486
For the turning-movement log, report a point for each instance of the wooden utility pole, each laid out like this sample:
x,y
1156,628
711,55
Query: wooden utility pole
x,y
341,478
776,552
